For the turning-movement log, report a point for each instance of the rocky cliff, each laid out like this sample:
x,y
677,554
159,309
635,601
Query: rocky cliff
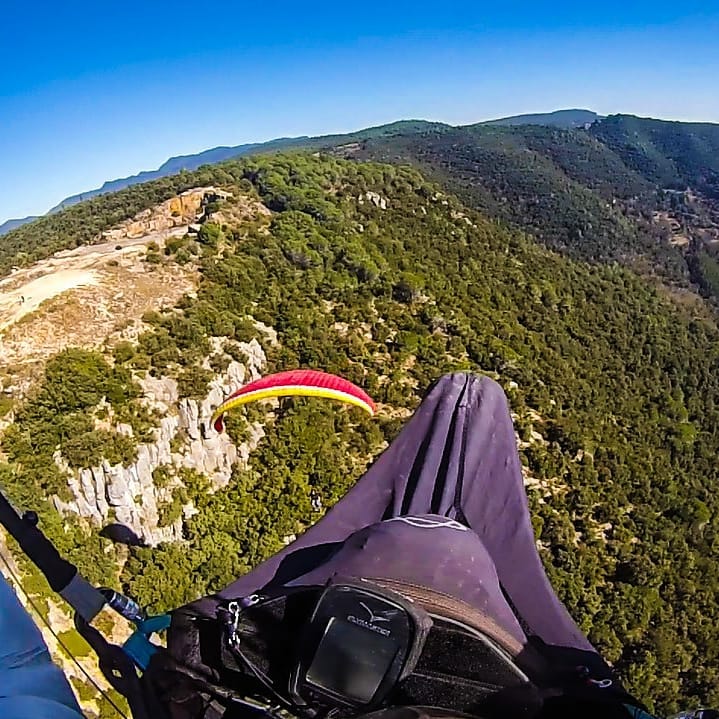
x,y
187,208
184,439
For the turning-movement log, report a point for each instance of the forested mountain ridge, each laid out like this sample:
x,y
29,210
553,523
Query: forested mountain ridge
x,y
596,201
559,118
626,132
672,155
371,271
555,184
215,155
629,190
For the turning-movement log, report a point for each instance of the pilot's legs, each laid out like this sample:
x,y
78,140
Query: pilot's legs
x,y
457,457
30,684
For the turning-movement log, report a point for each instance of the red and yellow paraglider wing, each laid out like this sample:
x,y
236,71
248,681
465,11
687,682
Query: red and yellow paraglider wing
x,y
295,383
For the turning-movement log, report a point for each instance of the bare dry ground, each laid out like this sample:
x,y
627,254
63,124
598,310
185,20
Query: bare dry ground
x,y
82,296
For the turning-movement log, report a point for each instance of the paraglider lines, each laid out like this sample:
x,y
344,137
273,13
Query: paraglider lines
x,y
65,648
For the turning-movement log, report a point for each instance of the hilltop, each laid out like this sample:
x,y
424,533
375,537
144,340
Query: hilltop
x,y
559,118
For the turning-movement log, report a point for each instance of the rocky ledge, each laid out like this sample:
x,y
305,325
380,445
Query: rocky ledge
x,y
184,438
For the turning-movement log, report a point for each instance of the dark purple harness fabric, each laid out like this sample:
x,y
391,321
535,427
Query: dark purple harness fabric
x,y
451,487
427,550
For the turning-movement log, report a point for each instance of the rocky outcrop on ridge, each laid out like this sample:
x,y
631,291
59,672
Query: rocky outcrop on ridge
x,y
184,438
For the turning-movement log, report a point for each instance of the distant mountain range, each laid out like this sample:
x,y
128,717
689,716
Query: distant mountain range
x,y
12,224
624,149
559,118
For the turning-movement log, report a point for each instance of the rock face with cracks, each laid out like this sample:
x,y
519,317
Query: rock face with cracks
x,y
188,207
184,438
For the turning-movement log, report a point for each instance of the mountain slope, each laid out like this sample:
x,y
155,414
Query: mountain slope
x,y
559,118
669,154
639,192
371,271
562,186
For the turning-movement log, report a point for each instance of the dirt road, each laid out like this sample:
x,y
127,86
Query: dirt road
x,y
23,291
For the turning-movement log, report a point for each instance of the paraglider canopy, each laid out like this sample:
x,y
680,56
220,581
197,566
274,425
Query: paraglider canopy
x,y
295,383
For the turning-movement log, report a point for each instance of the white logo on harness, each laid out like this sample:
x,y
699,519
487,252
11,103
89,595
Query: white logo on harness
x,y
381,617
373,620
430,522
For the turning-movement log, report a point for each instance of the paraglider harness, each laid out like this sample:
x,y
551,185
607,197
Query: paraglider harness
x,y
350,647
344,649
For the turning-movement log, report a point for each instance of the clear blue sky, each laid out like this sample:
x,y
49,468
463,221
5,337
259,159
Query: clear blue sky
x,y
91,91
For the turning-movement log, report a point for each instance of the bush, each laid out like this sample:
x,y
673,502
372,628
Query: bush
x,y
6,405
174,244
218,361
162,475
408,288
123,352
142,420
209,235
182,256
170,512
90,448
74,379
193,382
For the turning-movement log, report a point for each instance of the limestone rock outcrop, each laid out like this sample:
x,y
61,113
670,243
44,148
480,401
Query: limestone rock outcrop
x,y
185,209
184,438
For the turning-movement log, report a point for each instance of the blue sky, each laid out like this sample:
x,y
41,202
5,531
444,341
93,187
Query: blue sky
x,y
95,91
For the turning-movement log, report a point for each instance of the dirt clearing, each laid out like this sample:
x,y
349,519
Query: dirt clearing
x,y
81,297
14,305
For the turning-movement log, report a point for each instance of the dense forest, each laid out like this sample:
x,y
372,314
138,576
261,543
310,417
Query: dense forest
x,y
554,184
590,193
670,154
621,384
593,194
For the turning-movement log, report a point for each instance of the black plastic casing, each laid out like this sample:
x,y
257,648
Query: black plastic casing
x,y
394,625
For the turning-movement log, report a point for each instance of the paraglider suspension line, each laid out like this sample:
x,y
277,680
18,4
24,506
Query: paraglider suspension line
x,y
60,642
